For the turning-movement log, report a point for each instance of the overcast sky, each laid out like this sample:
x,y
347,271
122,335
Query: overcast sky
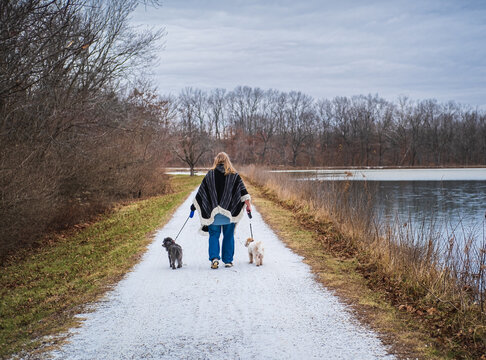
x,y
421,49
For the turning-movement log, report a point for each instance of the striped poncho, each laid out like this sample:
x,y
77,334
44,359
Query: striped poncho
x,y
220,194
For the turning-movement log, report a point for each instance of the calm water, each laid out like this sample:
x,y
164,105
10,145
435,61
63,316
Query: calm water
x,y
453,206
448,200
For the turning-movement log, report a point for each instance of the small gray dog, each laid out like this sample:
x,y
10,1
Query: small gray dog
x,y
174,251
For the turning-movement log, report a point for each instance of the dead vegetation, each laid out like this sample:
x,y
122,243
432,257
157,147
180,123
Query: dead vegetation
x,y
74,137
440,287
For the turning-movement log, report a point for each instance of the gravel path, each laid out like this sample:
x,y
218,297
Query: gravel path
x,y
277,311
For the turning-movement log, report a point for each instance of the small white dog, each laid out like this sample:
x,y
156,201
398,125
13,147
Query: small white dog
x,y
255,251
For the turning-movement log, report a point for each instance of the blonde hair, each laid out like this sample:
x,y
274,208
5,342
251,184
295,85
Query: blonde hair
x,y
223,158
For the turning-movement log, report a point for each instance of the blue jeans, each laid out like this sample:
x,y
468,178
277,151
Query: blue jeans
x,y
221,222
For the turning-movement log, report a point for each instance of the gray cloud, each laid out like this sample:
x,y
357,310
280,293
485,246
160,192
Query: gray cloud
x,y
423,49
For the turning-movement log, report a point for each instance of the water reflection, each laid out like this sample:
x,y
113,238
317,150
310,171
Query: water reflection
x,y
445,207
452,206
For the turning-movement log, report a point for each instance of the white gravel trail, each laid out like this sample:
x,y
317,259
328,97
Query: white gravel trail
x,y
277,311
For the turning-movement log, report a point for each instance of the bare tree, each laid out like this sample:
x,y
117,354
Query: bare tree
x,y
271,112
300,122
193,140
216,114
384,128
324,128
340,120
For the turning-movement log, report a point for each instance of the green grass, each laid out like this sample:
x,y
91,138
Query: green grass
x,y
41,290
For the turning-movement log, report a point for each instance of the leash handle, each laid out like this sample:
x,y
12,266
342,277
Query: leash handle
x,y
182,228
248,212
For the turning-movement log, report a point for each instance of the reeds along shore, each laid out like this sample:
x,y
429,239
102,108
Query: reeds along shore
x,y
437,277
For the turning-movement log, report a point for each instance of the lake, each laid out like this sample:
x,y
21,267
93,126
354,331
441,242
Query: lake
x,y
444,200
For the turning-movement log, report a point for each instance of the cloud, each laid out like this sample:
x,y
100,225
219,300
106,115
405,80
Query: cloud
x,y
433,49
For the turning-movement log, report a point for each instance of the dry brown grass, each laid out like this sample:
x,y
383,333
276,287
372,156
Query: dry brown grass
x,y
341,275
441,289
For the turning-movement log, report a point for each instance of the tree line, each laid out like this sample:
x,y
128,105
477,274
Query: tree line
x,y
75,131
272,127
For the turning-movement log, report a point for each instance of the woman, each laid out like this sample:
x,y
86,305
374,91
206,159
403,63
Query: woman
x,y
220,201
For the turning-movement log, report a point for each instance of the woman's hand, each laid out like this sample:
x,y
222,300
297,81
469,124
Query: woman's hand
x,y
248,205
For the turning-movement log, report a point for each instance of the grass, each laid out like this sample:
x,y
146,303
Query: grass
x,y
42,289
438,284
413,329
